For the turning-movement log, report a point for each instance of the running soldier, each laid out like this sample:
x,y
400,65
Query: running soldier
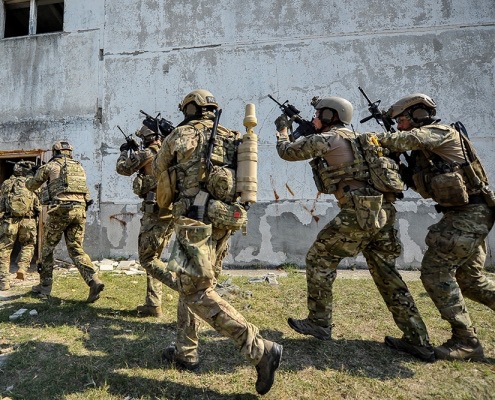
x,y
202,236
156,224
19,211
67,196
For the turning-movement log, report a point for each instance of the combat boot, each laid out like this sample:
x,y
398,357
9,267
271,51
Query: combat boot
x,y
424,353
308,327
149,311
95,288
272,355
460,348
169,356
4,285
41,290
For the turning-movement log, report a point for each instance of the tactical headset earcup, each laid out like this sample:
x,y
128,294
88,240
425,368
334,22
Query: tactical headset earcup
x,y
420,114
190,109
326,115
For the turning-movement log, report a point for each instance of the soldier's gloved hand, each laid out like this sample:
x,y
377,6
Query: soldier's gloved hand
x,y
125,147
282,122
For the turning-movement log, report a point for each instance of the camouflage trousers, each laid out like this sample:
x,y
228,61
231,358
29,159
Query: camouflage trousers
x,y
198,298
452,267
154,235
343,237
24,230
70,222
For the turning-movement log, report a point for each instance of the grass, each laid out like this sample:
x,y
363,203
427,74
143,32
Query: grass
x,y
73,351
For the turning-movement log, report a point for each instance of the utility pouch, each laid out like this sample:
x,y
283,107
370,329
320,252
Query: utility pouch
x,y
369,212
192,252
45,195
221,183
226,216
449,189
165,188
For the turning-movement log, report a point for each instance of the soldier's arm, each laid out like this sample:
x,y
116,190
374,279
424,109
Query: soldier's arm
x,y
127,165
304,149
415,139
165,156
41,176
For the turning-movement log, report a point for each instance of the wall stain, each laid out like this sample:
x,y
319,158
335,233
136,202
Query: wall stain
x,y
121,221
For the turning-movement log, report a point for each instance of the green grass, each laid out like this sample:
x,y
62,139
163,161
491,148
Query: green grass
x,y
72,350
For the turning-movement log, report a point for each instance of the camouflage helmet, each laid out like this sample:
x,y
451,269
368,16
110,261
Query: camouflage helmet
x,y
201,97
22,168
61,146
342,107
146,134
412,101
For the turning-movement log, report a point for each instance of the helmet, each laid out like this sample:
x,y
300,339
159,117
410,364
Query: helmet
x,y
61,146
201,97
22,167
146,133
341,106
415,101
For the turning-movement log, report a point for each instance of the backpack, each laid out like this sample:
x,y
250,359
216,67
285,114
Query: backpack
x,y
19,200
384,171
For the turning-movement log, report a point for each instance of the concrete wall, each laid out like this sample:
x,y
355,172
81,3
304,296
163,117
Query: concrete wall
x,y
116,57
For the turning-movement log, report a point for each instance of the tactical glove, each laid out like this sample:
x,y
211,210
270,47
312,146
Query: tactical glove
x,y
125,147
282,122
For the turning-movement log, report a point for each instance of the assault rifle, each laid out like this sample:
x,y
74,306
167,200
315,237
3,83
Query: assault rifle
x,y
133,145
198,208
305,127
160,126
379,115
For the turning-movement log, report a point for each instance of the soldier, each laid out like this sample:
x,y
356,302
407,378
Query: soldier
x,y
201,246
364,224
156,227
19,210
445,167
67,196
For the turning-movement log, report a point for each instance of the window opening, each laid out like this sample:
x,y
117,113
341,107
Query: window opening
x,y
23,18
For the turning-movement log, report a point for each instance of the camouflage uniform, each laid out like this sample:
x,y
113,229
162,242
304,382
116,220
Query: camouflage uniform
x,y
348,234
200,249
22,228
66,216
452,265
156,227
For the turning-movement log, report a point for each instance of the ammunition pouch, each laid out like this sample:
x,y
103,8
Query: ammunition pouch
x,y
45,196
368,206
230,217
422,182
449,189
314,163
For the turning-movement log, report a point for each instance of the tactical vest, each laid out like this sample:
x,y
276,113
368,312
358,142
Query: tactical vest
x,y
328,177
19,200
72,178
449,184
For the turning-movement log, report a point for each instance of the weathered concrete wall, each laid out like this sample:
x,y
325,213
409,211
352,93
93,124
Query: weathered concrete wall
x,y
117,57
